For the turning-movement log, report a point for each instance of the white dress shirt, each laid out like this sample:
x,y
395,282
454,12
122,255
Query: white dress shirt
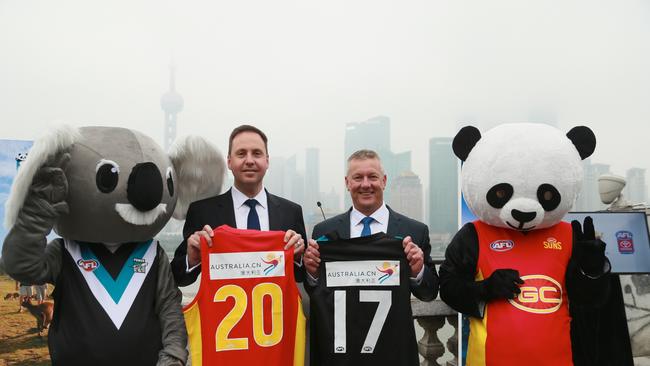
x,y
242,210
379,224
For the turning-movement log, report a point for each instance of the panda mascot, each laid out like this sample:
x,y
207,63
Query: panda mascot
x,y
519,272
107,192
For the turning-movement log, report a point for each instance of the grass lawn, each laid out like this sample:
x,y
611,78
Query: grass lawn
x,y
19,341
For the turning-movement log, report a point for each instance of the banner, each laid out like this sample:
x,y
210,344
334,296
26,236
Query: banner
x,y
12,153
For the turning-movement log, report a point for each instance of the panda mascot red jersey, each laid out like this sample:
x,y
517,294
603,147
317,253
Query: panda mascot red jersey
x,y
519,271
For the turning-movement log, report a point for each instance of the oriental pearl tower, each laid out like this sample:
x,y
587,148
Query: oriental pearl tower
x,y
171,103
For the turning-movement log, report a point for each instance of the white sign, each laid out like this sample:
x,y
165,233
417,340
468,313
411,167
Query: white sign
x,y
246,265
362,273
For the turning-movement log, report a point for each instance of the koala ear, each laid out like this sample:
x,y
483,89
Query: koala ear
x,y
200,169
45,150
465,140
584,140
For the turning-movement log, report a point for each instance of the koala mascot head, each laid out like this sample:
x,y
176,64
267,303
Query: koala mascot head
x,y
522,176
122,187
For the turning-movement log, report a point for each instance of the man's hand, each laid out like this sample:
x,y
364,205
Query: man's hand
x,y
414,255
311,259
293,239
194,245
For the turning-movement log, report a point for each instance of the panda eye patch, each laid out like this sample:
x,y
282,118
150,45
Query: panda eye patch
x,y
499,195
107,175
548,196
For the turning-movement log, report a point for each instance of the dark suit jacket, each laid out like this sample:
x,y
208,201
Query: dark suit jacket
x,y
218,210
398,225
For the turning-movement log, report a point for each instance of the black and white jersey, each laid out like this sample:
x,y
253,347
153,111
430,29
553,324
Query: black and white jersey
x,y
110,298
361,308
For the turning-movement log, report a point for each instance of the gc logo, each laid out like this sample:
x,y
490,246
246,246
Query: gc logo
x,y
540,294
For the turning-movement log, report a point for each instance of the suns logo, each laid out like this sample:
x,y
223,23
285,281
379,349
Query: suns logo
x,y
552,243
540,294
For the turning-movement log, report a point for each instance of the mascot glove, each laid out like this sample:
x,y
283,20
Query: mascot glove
x,y
502,284
588,252
167,360
46,198
50,182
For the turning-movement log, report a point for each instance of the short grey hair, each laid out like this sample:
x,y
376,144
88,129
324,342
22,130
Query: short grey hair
x,y
365,154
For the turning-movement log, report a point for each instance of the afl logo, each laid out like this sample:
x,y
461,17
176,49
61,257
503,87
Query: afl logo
x,y
87,265
502,245
625,241
539,295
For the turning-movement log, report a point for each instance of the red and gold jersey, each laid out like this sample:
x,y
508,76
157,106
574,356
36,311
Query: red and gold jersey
x,y
533,328
248,309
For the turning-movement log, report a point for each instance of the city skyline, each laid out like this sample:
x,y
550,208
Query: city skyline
x,y
430,67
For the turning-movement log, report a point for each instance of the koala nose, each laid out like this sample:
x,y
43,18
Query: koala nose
x,y
523,216
144,188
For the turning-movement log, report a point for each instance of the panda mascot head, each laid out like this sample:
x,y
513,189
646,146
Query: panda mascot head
x,y
522,176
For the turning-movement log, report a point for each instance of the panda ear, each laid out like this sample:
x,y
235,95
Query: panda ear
x,y
583,139
465,140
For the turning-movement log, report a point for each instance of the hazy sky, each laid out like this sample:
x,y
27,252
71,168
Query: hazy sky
x,y
302,69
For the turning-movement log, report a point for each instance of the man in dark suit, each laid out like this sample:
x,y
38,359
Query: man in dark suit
x,y
369,214
247,205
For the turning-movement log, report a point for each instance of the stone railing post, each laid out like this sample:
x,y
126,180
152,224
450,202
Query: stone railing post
x,y
452,342
431,317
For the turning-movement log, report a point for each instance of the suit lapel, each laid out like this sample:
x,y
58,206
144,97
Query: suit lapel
x,y
226,209
394,223
344,224
275,217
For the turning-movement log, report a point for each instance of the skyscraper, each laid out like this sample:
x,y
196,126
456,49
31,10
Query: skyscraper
x,y
443,187
312,179
589,198
635,190
374,134
171,103
276,180
406,195
295,189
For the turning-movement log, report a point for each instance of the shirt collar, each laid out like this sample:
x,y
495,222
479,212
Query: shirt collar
x,y
381,215
238,198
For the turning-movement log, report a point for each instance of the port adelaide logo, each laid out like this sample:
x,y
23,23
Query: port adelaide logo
x,y
502,245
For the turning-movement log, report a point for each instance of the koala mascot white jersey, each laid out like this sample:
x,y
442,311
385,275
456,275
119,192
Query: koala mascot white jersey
x,y
518,271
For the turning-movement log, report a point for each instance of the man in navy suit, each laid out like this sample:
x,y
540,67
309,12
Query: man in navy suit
x,y
247,205
366,181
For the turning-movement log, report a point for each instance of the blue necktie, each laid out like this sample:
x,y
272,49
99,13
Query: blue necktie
x,y
366,225
253,220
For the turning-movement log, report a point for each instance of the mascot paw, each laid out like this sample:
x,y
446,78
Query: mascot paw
x,y
166,360
50,182
502,284
588,252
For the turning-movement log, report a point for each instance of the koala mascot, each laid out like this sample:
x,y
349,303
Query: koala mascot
x,y
519,272
107,192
